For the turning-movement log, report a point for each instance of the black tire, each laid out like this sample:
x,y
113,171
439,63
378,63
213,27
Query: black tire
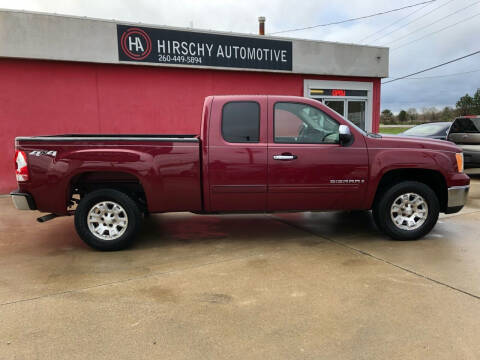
x,y
108,197
382,210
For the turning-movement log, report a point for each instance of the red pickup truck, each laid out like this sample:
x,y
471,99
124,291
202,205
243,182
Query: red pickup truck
x,y
254,154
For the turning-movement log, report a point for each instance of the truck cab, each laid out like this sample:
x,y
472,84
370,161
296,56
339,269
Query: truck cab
x,y
274,153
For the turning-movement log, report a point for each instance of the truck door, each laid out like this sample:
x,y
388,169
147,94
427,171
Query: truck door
x,y
237,154
307,167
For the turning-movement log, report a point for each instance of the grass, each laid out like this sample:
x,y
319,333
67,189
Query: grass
x,y
394,130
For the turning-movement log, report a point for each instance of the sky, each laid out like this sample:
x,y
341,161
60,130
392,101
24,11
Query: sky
x,y
395,30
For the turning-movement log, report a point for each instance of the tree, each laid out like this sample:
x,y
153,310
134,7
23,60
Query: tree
x,y
476,102
447,114
412,114
424,115
386,117
433,113
402,116
465,105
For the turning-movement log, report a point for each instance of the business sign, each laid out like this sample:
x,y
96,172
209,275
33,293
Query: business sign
x,y
164,46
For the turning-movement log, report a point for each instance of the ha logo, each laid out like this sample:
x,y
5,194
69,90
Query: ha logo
x,y
136,44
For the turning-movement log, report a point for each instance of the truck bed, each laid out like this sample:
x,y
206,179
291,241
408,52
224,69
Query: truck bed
x,y
166,166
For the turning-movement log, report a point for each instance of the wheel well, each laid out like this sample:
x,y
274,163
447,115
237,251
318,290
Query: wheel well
x,y
83,183
431,178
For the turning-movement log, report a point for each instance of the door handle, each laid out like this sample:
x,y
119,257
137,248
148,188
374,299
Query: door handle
x,y
285,157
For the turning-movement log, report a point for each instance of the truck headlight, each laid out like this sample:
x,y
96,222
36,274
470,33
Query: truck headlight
x,y
459,157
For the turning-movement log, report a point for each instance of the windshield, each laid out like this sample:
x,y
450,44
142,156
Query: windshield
x,y
428,129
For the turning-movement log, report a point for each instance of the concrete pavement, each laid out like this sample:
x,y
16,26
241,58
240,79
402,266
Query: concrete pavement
x,y
289,286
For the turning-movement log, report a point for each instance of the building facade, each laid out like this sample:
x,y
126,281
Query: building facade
x,y
63,74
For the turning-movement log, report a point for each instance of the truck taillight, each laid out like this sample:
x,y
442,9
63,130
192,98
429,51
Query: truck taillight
x,y
21,168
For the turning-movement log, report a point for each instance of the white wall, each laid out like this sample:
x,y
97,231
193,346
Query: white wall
x,y
54,37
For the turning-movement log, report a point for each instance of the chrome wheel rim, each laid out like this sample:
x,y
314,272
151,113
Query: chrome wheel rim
x,y
107,220
409,211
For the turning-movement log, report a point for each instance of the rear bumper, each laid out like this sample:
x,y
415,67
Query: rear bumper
x,y
457,197
471,156
23,201
472,159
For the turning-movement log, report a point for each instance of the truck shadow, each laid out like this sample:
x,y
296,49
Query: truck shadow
x,y
335,225
188,229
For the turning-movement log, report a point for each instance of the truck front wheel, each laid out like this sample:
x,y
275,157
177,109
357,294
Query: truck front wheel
x,y
407,211
107,219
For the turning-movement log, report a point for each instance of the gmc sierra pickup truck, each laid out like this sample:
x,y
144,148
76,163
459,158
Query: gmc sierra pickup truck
x,y
253,154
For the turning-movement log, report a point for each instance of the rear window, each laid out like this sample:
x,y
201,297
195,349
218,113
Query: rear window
x,y
241,122
465,125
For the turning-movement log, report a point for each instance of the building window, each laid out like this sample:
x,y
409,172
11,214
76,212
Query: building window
x,y
351,99
241,122
349,107
296,123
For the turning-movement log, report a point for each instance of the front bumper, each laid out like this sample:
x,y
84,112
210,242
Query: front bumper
x,y
457,197
23,201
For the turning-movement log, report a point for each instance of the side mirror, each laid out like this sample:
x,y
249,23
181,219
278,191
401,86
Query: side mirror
x,y
345,137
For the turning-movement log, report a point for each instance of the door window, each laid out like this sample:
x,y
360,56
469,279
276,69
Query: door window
x,y
296,123
241,122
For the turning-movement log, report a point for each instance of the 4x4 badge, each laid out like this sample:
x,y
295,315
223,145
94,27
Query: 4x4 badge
x,y
43,152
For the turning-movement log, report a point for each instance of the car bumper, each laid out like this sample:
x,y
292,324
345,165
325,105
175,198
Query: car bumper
x,y
457,198
23,201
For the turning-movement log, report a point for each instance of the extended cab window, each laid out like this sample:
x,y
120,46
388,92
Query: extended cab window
x,y
296,123
241,122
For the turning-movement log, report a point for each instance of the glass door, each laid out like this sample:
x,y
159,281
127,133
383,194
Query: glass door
x,y
356,112
337,105
351,99
350,108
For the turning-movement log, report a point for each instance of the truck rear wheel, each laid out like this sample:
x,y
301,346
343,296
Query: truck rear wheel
x,y
107,219
407,211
